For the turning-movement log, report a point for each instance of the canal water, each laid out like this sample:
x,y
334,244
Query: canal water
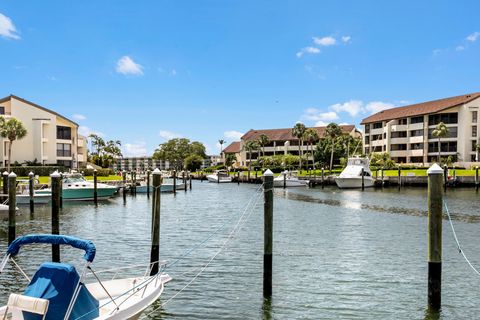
x,y
337,254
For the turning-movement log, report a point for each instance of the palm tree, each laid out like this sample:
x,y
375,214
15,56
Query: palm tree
x,y
441,131
12,129
262,142
332,132
298,131
250,146
221,142
311,136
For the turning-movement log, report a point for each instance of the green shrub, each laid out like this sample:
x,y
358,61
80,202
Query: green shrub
x,y
23,171
100,172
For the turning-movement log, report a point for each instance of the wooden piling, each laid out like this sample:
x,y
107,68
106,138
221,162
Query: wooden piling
x,y
363,179
132,186
12,206
155,246
382,177
174,182
238,177
268,233
185,180
323,178
60,205
445,178
190,181
399,177
435,210
476,178
124,180
284,180
56,182
31,186
5,185
95,191
148,184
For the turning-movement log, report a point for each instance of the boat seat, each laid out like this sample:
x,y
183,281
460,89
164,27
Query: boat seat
x,y
29,304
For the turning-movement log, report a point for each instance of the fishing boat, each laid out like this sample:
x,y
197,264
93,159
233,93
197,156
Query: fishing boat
x,y
219,176
351,176
75,187
289,179
58,291
38,198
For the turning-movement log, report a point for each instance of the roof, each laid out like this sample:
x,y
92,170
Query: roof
x,y
421,108
286,134
233,147
35,105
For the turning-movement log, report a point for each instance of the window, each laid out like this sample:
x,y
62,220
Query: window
x,y
367,139
474,145
402,121
450,146
416,120
473,158
474,131
399,134
416,133
474,116
452,133
416,159
377,125
65,163
446,118
367,128
64,133
367,150
395,147
2,110
63,150
384,135
376,137
416,146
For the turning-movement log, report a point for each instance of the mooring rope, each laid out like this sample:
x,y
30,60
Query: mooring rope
x,y
460,250
229,237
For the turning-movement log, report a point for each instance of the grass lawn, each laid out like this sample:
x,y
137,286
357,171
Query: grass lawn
x,y
46,179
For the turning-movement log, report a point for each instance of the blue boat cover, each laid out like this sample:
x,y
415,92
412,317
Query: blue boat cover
x,y
86,245
56,282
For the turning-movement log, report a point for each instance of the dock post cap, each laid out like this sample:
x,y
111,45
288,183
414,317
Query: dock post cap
x,y
12,175
55,174
435,169
157,171
5,173
268,173
31,174
94,170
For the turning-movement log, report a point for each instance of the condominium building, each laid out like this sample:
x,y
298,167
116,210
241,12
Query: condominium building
x,y
51,138
139,164
406,132
281,141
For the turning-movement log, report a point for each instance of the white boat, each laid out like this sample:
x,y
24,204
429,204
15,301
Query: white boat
x,y
57,291
289,179
75,187
219,176
38,198
351,176
166,187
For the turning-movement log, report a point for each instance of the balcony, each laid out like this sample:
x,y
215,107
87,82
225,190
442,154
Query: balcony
x,y
398,140
416,126
376,131
398,127
398,153
416,139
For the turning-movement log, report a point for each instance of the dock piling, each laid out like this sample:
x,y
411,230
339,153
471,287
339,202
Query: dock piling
x,y
238,177
31,190
435,210
12,206
363,179
190,181
174,182
148,184
184,180
399,177
445,178
56,181
323,177
476,178
284,180
124,180
268,233
155,247
95,191
5,185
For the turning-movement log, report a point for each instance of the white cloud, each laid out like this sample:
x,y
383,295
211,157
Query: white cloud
x,y
126,66
167,135
173,72
376,106
137,149
325,41
79,117
321,124
7,28
86,131
352,107
459,48
232,134
473,37
310,50
314,114
346,39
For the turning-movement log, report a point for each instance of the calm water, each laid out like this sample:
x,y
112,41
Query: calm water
x,y
337,254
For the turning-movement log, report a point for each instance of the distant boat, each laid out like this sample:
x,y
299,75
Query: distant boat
x,y
58,291
38,198
75,187
166,187
289,179
351,176
219,176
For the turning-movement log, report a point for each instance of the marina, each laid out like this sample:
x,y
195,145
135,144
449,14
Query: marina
x,y
332,250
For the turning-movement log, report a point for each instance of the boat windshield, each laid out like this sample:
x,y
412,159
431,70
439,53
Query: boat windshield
x,y
357,162
74,179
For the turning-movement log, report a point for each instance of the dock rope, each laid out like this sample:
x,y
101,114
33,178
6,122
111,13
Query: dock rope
x,y
456,239
243,218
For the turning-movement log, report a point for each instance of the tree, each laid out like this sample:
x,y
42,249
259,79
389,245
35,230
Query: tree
x,y
229,159
262,141
97,142
383,160
441,131
332,132
175,151
311,136
298,131
221,142
193,162
12,129
249,147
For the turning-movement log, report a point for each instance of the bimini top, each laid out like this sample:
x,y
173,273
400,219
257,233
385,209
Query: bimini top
x,y
86,245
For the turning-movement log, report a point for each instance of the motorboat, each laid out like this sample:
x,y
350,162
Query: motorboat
x,y
58,291
351,176
165,187
289,179
23,194
219,176
75,187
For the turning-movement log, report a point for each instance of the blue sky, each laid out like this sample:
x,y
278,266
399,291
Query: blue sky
x,y
145,71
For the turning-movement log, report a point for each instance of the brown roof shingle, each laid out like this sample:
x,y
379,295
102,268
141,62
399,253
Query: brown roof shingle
x,y
286,134
421,108
233,147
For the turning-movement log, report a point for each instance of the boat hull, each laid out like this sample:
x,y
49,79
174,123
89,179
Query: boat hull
x,y
37,198
165,188
214,179
354,182
290,183
78,194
